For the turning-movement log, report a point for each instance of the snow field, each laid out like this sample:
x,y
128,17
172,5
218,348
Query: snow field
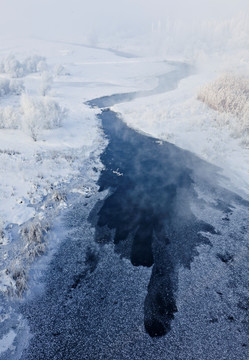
x,y
34,168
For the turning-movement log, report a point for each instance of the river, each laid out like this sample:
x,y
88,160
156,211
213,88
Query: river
x,y
116,287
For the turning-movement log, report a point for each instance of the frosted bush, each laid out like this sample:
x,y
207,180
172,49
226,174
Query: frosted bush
x,y
20,278
8,87
41,66
10,65
4,87
15,68
34,238
46,84
34,64
34,115
16,87
9,118
40,113
229,94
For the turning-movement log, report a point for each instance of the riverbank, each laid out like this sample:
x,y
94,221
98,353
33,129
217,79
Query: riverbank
x,y
41,174
180,118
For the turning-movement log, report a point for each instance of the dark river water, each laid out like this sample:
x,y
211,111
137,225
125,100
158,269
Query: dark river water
x,y
151,185
165,82
147,214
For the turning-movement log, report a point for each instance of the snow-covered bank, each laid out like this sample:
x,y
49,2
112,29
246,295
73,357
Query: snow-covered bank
x,y
78,305
42,146
54,158
178,117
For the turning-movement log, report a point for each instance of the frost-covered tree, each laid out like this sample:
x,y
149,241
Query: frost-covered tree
x,y
12,66
40,113
8,87
9,118
34,64
16,68
46,83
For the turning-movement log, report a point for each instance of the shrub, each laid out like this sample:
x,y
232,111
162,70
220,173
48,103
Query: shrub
x,y
46,84
40,113
10,65
34,114
229,94
35,63
4,87
34,238
10,87
15,68
9,118
18,278
16,87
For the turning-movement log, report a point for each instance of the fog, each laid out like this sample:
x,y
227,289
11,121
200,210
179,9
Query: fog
x,y
73,19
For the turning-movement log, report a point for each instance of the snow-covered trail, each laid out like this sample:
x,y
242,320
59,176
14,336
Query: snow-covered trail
x,y
165,207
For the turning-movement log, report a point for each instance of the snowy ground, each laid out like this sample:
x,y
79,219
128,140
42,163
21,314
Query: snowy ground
x,y
31,170
37,176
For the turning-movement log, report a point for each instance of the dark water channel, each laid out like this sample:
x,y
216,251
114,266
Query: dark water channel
x,y
147,213
151,187
166,82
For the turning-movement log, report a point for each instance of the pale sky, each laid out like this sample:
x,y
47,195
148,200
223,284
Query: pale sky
x,y
62,18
